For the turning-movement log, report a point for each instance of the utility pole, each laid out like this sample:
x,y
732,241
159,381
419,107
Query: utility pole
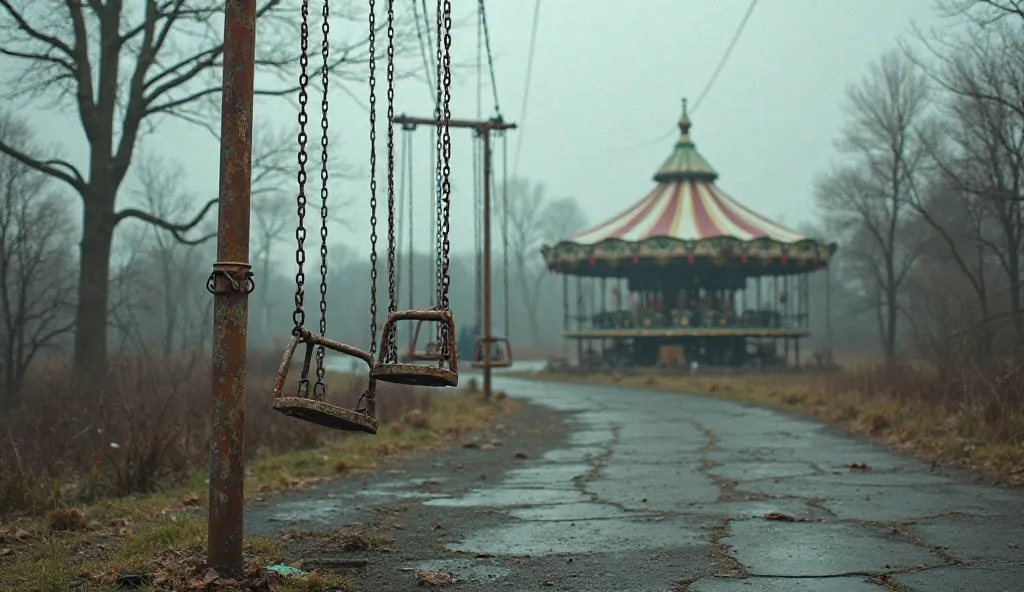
x,y
483,128
231,284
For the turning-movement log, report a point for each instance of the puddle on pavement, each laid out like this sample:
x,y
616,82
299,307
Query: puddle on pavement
x,y
508,498
573,455
468,569
815,549
786,585
568,512
585,536
752,471
553,475
591,437
326,511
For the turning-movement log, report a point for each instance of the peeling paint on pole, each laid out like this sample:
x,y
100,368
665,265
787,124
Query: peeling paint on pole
x,y
231,282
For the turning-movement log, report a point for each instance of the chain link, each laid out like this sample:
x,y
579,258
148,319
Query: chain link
x,y
373,183
392,291
320,389
446,187
299,316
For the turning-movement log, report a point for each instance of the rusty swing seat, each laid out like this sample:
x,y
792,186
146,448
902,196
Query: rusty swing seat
x,y
419,374
503,359
313,410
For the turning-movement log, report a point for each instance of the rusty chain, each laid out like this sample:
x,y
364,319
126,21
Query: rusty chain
x,y
373,183
437,163
299,316
320,389
392,291
446,187
366,400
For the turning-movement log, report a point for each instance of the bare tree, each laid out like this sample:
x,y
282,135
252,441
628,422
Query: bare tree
x,y
123,67
983,12
978,148
532,221
36,268
170,274
868,198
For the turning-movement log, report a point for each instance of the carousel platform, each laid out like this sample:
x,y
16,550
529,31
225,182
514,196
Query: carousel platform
x,y
664,332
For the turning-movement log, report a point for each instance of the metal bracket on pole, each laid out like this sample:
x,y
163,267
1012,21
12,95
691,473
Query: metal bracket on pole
x,y
230,277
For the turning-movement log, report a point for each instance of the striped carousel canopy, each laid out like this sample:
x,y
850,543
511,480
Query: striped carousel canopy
x,y
685,215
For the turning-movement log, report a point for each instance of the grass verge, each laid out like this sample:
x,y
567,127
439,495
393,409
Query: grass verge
x,y
159,539
902,407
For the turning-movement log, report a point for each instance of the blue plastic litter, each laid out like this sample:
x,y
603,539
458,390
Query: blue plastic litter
x,y
286,570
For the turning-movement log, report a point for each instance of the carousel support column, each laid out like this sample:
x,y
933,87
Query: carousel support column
x,y
579,319
828,313
807,301
796,344
785,317
565,317
604,310
758,300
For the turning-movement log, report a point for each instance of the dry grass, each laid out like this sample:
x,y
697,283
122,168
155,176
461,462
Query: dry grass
x,y
952,417
152,521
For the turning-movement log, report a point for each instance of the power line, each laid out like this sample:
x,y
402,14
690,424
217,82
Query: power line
x,y
423,45
526,87
490,58
714,75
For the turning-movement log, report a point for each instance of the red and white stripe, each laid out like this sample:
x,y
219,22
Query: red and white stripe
x,y
687,210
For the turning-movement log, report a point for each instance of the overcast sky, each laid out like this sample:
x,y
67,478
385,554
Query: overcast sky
x,y
608,77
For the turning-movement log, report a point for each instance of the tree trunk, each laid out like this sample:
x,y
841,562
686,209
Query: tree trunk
x,y
94,282
1015,293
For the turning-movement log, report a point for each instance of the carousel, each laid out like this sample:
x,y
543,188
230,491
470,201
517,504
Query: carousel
x,y
687,276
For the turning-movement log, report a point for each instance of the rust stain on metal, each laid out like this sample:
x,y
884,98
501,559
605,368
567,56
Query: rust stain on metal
x,y
231,288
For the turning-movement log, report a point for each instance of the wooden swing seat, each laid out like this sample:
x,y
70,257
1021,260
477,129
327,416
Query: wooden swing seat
x,y
326,415
319,412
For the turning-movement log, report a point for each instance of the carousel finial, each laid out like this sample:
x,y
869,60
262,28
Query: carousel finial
x,y
684,122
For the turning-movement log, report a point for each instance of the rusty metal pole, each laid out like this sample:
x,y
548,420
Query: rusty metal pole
x,y
231,283
486,131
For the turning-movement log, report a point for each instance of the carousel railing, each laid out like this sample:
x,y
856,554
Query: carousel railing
x,y
683,318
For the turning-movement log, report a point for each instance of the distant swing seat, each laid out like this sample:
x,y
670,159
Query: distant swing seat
x,y
430,353
500,352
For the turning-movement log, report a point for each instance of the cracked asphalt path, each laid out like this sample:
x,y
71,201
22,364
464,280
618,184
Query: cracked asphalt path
x,y
630,490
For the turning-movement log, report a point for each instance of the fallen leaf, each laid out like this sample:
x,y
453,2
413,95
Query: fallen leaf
x,y
208,578
522,454
780,517
858,467
483,555
433,578
191,499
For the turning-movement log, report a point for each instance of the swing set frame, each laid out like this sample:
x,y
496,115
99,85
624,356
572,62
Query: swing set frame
x,y
484,129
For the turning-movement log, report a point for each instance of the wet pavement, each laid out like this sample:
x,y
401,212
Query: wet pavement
x,y
630,490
